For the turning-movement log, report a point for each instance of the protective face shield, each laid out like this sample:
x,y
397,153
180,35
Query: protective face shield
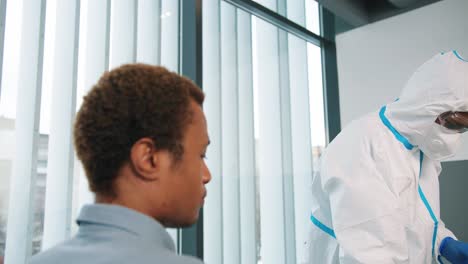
x,y
456,121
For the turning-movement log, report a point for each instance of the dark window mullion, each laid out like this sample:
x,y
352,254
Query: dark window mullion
x,y
191,241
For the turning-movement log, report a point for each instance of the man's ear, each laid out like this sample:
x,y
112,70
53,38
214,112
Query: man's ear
x,y
144,159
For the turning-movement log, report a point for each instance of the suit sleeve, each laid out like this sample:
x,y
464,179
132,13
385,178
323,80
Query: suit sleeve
x,y
442,233
367,221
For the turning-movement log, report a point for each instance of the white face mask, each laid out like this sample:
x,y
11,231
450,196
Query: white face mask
x,y
440,143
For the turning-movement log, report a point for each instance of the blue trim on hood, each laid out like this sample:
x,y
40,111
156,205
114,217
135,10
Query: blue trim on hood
x,y
398,136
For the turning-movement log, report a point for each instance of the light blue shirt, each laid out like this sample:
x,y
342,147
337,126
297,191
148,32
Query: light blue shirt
x,y
114,234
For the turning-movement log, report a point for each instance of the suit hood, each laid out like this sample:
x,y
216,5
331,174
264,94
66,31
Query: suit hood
x,y
437,86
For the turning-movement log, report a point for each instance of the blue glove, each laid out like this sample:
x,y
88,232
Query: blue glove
x,y
454,251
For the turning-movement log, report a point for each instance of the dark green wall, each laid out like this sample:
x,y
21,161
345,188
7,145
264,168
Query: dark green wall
x,y
342,26
454,197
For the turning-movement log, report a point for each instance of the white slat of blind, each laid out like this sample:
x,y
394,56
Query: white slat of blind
x,y
269,144
148,31
247,174
230,135
93,61
122,33
288,177
301,141
23,180
170,34
57,214
300,126
2,37
212,220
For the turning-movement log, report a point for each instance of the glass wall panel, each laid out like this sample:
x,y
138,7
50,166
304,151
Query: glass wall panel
x,y
289,9
265,106
317,112
8,92
82,39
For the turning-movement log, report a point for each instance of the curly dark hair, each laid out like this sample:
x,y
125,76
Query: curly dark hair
x,y
128,103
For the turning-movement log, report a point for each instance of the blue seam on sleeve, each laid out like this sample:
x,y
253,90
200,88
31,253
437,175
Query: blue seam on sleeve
x,y
423,197
323,227
434,237
429,209
398,136
426,203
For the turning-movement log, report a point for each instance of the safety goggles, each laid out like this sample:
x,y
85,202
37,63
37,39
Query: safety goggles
x,y
457,121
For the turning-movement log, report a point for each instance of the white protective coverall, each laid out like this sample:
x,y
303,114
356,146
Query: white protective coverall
x,y
376,193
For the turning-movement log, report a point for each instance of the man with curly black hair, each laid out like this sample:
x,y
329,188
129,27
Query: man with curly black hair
x,y
142,136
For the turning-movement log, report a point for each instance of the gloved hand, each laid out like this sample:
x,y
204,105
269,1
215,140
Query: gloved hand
x,y
454,251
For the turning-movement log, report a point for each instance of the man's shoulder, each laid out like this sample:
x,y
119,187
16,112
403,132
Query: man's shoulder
x,y
148,254
74,252
182,259
51,256
57,254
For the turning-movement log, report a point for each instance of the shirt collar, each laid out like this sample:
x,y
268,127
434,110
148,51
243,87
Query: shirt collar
x,y
128,220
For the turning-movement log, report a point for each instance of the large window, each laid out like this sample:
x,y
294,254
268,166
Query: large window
x,y
262,74
54,51
265,112
310,8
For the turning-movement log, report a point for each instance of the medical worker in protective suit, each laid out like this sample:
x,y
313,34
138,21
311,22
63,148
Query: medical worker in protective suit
x,y
376,195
